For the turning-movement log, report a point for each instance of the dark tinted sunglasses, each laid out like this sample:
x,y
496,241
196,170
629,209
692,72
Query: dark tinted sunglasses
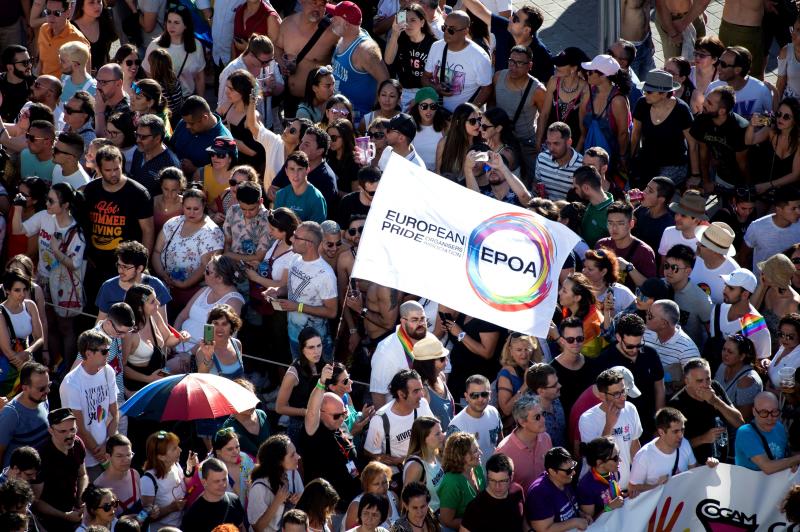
x,y
109,506
353,231
376,134
431,106
331,245
573,339
479,395
131,62
232,182
474,121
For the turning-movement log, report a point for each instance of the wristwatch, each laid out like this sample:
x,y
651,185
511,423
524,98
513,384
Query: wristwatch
x,y
629,267
364,312
461,336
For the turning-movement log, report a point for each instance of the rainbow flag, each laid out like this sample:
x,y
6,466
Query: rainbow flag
x,y
752,323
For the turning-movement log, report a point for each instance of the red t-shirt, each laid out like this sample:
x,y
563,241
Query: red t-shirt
x,y
585,401
255,24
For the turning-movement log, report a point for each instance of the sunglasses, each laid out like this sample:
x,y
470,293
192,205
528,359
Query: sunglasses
x,y
573,339
53,12
33,138
232,182
673,267
474,121
109,506
785,116
355,230
479,395
380,134
217,155
426,106
795,260
56,151
161,434
176,7
345,381
515,18
338,416
486,127
141,136
334,138
226,430
131,62
634,346
370,193
452,30
71,111
723,64
333,244
343,112
569,470
640,296
26,62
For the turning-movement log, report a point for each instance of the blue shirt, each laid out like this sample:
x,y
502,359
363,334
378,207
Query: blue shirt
x,y
20,426
30,165
187,145
748,444
111,292
308,207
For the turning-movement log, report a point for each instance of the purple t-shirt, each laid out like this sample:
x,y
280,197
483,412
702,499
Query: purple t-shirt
x,y
591,491
544,501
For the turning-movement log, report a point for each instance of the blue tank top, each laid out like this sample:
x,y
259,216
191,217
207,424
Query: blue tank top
x,y
442,408
230,371
359,86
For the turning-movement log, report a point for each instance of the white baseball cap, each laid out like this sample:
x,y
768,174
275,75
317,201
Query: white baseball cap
x,y
630,386
604,63
742,278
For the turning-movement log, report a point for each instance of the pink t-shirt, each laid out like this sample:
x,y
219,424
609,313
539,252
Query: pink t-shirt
x,y
528,461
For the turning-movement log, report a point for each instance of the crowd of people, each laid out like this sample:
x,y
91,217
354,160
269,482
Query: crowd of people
x,y
184,189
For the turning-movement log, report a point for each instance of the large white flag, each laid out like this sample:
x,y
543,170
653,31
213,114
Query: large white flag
x,y
428,236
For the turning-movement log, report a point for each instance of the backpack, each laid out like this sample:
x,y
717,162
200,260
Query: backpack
x,y
712,350
66,288
397,479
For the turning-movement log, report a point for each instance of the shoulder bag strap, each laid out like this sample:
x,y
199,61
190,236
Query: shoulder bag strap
x,y
166,246
717,330
518,112
149,475
321,27
763,440
387,439
185,58
421,464
675,465
736,379
11,333
443,65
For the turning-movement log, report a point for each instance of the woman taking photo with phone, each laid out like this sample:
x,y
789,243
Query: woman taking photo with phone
x,y
220,353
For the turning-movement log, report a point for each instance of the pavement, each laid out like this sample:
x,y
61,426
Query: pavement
x,y
576,23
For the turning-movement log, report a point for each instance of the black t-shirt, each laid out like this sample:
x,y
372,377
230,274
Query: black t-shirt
x,y
204,516
649,229
646,370
504,42
409,64
700,418
573,383
663,144
14,97
723,142
350,205
464,362
114,218
326,455
485,512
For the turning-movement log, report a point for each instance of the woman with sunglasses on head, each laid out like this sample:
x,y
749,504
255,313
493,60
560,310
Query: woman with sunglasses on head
x,y
565,95
423,463
337,106
463,479
576,298
184,246
239,90
239,174
606,117
164,482
464,131
148,98
185,50
99,508
431,121
780,141
497,132
127,57
299,381
342,156
319,89
121,131
551,499
169,203
96,23
598,490
788,354
216,176
225,446
519,352
25,264
737,374
407,51
162,71
707,51
60,242
375,479
387,104
277,485
430,361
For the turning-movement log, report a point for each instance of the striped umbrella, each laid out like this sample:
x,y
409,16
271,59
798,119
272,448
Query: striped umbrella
x,y
189,396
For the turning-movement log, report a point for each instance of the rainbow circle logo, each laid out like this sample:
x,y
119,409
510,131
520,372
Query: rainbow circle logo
x,y
544,246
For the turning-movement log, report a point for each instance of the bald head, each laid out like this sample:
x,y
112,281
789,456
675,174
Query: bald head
x,y
767,411
766,401
459,17
332,405
410,306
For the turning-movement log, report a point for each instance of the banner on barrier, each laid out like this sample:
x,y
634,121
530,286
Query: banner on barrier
x,y
724,499
434,238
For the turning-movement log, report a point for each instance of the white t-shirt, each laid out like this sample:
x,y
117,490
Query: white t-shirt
x,y
672,237
93,395
709,280
650,463
45,226
387,360
222,29
399,429
264,108
170,488
767,239
487,429
310,283
791,360
194,63
627,429
425,143
260,496
754,97
77,179
467,71
623,297
761,338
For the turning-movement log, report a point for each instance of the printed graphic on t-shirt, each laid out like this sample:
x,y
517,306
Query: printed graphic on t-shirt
x,y
107,225
96,399
454,77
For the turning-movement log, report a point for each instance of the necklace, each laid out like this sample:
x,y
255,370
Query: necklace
x,y
565,90
421,527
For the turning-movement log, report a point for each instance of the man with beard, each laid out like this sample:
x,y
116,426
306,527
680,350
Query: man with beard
x,y
556,164
110,99
74,60
332,244
359,202
358,66
62,477
752,95
305,41
23,421
719,133
502,184
346,261
394,353
15,82
737,315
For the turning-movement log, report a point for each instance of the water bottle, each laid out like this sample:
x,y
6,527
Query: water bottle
x,y
722,439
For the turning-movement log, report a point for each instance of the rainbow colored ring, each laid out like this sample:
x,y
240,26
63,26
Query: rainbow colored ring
x,y
538,236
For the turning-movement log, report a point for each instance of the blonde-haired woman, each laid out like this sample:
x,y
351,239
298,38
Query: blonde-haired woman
x,y
519,352
423,464
375,478
463,478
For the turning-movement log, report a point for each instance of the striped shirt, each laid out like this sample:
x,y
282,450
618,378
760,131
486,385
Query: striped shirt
x,y
677,350
557,179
